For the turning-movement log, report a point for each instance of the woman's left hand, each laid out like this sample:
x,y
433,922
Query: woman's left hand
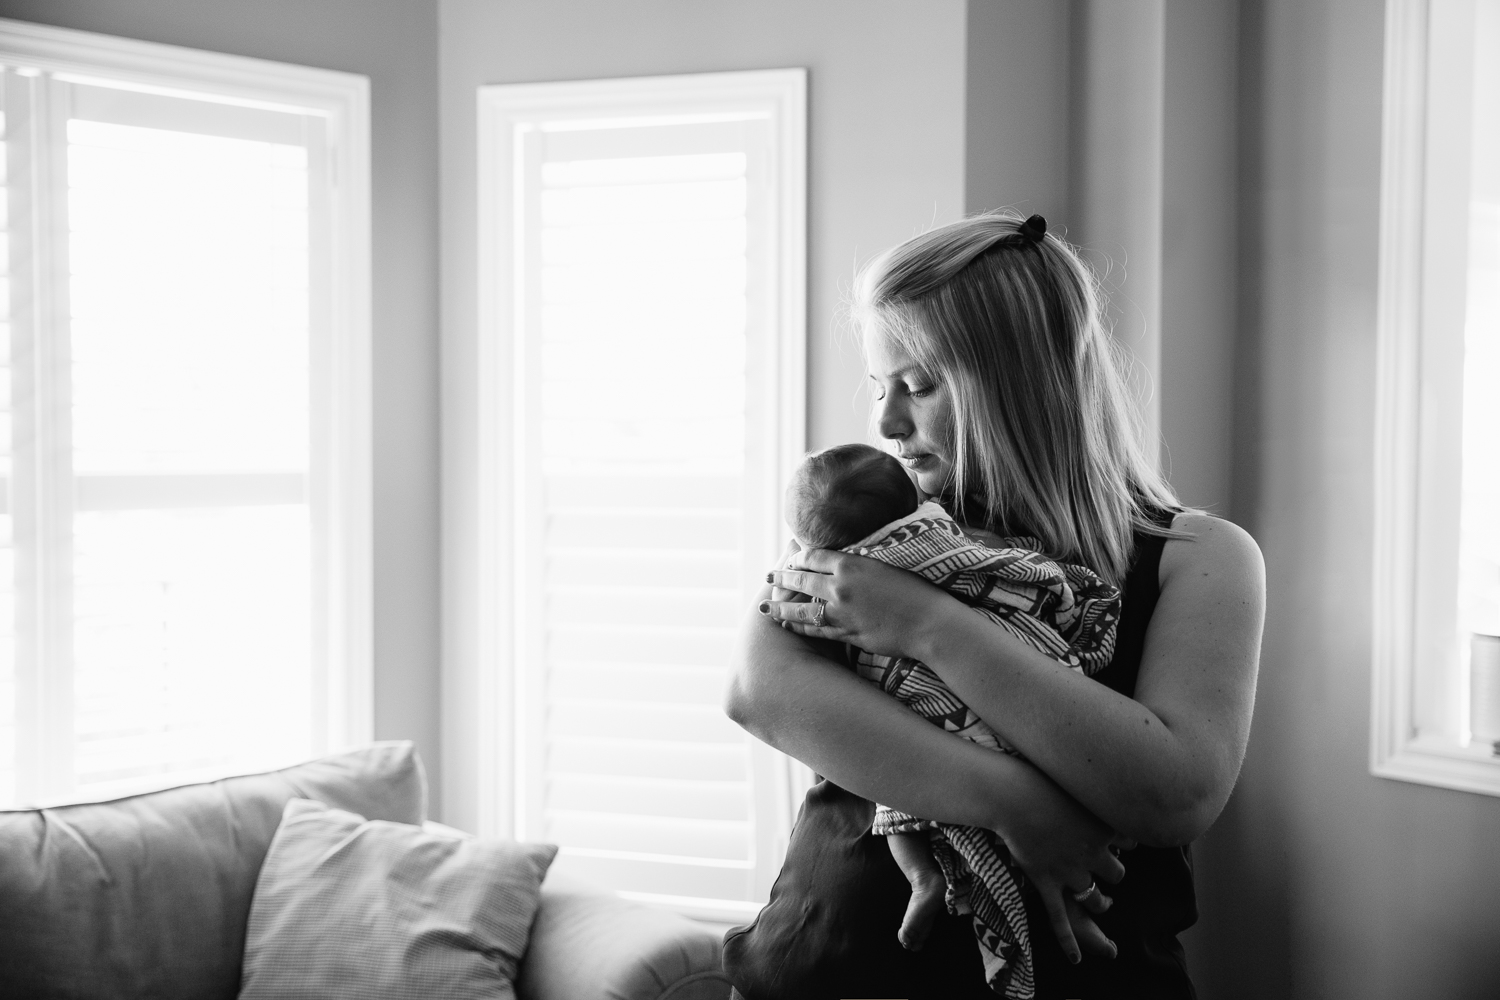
x,y
879,608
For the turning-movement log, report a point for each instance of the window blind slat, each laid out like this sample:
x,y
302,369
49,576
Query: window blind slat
x,y
569,606
626,565
642,720
163,491
691,646
645,874
666,837
647,758
569,493
642,528
663,798
628,682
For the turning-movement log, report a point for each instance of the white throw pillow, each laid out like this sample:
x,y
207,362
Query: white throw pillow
x,y
373,910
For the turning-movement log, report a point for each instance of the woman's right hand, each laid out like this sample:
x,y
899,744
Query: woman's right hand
x,y
1063,848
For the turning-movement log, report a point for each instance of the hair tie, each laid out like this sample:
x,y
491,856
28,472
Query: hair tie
x,y
1034,228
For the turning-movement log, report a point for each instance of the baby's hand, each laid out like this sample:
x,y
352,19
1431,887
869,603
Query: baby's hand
x,y
780,594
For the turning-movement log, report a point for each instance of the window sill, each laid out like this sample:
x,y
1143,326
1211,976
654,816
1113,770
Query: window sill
x,y
1436,761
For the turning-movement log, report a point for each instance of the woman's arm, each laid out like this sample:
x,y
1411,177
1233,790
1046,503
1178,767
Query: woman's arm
x,y
1157,767
862,739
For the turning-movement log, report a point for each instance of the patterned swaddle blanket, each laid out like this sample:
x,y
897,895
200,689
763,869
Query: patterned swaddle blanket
x,y
1067,612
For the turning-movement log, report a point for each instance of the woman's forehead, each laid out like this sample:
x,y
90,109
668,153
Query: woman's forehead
x,y
885,358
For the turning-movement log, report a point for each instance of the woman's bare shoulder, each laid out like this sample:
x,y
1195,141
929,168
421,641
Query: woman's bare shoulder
x,y
1217,550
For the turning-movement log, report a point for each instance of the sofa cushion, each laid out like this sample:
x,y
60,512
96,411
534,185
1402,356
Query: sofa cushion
x,y
588,942
367,910
148,896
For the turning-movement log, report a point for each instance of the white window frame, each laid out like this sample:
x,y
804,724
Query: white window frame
x,y
340,495
1420,311
502,111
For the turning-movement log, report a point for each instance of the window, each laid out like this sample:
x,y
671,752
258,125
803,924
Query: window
x,y
642,399
1436,715
184,432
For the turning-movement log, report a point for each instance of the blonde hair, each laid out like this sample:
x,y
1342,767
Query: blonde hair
x,y
1044,430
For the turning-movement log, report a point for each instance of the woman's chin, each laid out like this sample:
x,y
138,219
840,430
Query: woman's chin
x,y
932,484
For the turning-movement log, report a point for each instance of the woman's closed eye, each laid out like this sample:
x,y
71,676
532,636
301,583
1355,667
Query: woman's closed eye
x,y
919,391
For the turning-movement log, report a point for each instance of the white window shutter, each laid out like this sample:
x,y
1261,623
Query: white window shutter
x,y
184,455
646,459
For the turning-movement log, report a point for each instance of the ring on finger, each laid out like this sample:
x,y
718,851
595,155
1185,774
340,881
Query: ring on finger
x,y
1082,897
822,606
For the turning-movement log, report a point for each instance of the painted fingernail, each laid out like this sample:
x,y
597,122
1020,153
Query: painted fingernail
x,y
765,607
770,577
1074,958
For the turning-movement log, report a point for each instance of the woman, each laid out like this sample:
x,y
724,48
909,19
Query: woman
x,y
995,385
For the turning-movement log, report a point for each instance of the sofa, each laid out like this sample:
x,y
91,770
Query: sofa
x,y
149,896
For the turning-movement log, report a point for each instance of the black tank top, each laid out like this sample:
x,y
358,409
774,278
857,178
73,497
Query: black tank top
x,y
1155,901
1152,904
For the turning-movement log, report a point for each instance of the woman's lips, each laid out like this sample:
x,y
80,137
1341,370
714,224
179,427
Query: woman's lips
x,y
914,461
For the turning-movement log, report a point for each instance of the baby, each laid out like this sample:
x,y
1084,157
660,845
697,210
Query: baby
x,y
838,497
860,499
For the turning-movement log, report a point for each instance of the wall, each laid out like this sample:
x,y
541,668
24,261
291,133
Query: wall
x,y
1200,88
1321,881
1116,120
394,42
1016,108
886,160
1117,106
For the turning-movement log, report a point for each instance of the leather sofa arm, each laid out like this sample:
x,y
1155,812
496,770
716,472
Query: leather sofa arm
x,y
588,944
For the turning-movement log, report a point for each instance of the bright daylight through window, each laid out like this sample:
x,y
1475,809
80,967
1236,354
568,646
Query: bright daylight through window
x,y
1479,524
644,239
176,576
1437,615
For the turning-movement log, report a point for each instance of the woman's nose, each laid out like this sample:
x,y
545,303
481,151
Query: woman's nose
x,y
892,420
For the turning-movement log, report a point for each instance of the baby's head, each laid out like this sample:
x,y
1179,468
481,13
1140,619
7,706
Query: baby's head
x,y
842,494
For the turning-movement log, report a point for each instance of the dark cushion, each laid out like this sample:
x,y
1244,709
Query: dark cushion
x,y
148,896
829,929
